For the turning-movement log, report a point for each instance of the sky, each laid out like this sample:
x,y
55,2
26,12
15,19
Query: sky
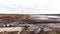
x,y
30,6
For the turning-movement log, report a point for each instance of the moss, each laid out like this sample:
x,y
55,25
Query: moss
x,y
58,32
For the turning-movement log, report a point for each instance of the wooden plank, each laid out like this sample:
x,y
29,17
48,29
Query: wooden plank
x,y
9,29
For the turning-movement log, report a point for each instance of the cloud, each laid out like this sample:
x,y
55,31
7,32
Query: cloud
x,y
30,6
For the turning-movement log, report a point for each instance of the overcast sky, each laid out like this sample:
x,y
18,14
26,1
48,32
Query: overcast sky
x,y
30,6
